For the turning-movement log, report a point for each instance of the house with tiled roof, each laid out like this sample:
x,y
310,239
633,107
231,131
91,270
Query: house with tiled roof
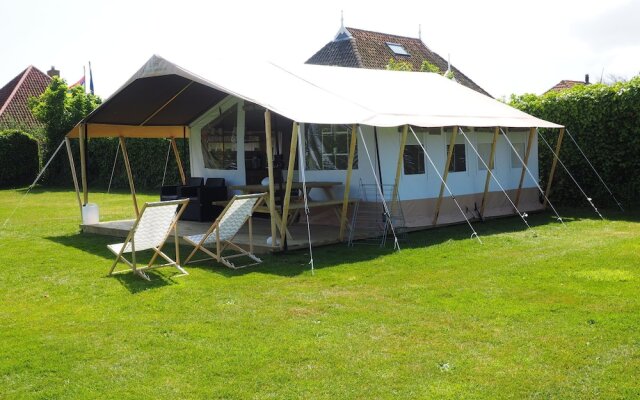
x,y
359,48
568,84
14,98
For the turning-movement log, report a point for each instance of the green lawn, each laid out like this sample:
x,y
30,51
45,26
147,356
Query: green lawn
x,y
548,313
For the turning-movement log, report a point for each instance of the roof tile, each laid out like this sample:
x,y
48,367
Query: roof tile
x,y
14,97
368,49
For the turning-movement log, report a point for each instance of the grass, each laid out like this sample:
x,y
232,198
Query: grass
x,y
548,313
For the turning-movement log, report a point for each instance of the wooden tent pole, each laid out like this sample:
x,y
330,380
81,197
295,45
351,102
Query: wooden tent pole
x,y
83,164
396,182
347,183
287,193
174,146
547,192
125,156
73,172
452,143
487,180
532,133
272,200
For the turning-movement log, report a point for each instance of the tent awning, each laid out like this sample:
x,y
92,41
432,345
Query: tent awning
x,y
162,98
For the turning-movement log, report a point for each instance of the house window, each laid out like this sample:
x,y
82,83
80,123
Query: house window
x,y
218,137
484,150
515,161
398,49
413,160
458,158
327,147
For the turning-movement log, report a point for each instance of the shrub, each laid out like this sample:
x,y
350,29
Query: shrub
x,y
605,121
147,158
18,158
429,67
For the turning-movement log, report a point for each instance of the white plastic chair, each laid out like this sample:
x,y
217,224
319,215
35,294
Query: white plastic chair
x,y
224,229
150,232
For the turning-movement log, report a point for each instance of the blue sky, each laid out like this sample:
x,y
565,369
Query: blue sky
x,y
505,46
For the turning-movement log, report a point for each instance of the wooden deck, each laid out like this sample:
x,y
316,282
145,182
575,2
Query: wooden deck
x,y
320,234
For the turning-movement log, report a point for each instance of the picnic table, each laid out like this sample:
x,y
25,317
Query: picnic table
x,y
297,204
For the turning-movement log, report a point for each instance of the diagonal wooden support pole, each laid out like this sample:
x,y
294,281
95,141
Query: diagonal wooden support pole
x,y
347,183
547,192
72,165
452,143
287,193
174,146
125,156
492,160
525,162
396,182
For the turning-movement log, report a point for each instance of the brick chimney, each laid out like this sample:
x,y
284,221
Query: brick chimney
x,y
53,72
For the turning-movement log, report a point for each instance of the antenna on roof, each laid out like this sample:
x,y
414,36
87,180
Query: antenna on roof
x,y
420,31
343,33
449,74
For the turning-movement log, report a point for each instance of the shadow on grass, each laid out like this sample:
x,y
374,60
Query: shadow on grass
x,y
97,245
294,263
135,284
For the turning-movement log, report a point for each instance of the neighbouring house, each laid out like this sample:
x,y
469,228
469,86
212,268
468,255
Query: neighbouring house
x,y
359,48
243,125
568,84
14,98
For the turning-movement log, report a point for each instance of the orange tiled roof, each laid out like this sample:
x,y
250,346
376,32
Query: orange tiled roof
x,y
14,97
565,84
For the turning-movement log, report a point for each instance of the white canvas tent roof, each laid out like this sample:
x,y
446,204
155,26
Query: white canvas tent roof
x,y
162,98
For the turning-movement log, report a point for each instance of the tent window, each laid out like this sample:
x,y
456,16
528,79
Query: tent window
x,y
327,147
219,147
413,160
458,159
515,161
484,149
398,49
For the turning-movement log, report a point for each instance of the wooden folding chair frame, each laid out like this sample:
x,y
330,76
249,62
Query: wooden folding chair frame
x,y
157,251
222,245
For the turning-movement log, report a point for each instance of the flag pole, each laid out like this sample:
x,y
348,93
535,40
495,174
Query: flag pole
x,y
90,79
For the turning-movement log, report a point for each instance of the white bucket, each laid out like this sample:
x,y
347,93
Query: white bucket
x,y
90,214
270,241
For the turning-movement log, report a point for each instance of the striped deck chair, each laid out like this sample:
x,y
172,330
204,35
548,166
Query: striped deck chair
x,y
220,235
150,232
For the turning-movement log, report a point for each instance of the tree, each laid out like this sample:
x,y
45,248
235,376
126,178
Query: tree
x,y
394,65
59,109
429,67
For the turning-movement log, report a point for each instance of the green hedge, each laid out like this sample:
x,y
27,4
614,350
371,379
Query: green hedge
x,y
147,158
605,121
18,158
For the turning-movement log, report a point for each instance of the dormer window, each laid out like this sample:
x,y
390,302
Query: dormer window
x,y
398,49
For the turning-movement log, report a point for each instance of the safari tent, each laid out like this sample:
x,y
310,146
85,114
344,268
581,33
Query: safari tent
x,y
411,134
